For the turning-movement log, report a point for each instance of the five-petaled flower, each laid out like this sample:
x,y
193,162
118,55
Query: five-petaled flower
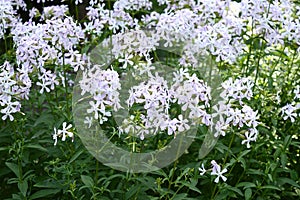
x,y
63,133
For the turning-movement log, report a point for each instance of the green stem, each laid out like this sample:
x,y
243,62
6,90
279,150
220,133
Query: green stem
x,y
250,49
5,44
66,87
76,11
175,164
225,159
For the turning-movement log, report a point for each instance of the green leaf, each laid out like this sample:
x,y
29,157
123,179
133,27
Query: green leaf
x,y
3,148
271,187
277,153
180,196
283,159
13,167
243,154
191,187
132,191
44,193
48,184
248,193
23,186
283,180
16,197
119,176
294,175
287,141
87,180
243,162
223,195
36,146
270,82
236,190
4,171
246,185
256,171
75,156
45,118
270,177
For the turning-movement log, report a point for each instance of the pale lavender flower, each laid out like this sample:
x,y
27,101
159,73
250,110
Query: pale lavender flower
x,y
126,60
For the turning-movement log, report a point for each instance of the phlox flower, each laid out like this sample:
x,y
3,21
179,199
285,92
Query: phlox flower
x,y
182,124
11,107
251,136
63,133
202,170
288,111
219,127
216,170
127,60
88,121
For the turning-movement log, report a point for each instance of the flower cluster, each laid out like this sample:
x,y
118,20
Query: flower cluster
x,y
219,28
103,85
156,97
215,27
8,17
117,19
11,91
53,12
133,5
38,46
231,110
133,42
289,111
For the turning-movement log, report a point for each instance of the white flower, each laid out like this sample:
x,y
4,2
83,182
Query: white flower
x,y
220,128
216,170
249,116
182,124
63,133
288,112
55,136
126,60
78,1
237,89
88,121
251,136
236,117
202,170
94,108
172,126
11,107
44,85
102,119
220,111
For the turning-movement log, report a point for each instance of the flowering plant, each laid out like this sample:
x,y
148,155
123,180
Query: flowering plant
x,y
210,86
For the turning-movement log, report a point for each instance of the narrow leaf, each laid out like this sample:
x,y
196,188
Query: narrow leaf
x,y
44,193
